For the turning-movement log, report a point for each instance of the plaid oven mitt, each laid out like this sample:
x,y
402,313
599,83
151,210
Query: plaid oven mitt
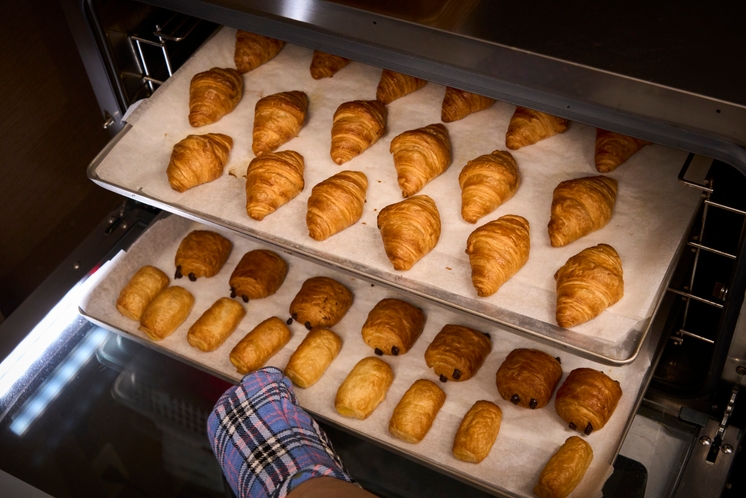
x,y
265,442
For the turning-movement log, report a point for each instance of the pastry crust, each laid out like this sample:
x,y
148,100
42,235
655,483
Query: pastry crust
x,y
313,356
409,229
393,326
213,94
198,159
357,125
416,411
272,181
395,85
587,399
497,250
486,183
565,469
144,285
168,309
325,65
587,284
528,377
201,254
457,104
613,149
278,118
216,324
259,274
321,302
579,207
457,352
259,345
336,203
420,156
477,432
253,50
528,126
364,388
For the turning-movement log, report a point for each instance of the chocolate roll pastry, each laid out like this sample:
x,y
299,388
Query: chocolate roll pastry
x,y
168,309
416,411
216,324
457,352
477,432
587,399
259,345
201,254
364,388
393,326
144,285
528,377
259,274
320,302
313,356
564,471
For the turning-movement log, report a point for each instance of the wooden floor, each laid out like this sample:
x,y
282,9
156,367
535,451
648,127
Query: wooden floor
x,y
50,128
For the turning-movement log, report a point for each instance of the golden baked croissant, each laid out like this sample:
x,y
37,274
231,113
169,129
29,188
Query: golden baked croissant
x,y
528,377
216,324
419,156
587,399
272,181
357,125
486,183
457,104
587,284
477,432
394,85
253,50
579,207
364,388
457,352
497,250
392,327
201,254
144,285
259,274
259,345
409,229
213,94
313,356
198,159
416,411
277,119
528,126
321,302
336,203
325,65
613,149
168,309
564,471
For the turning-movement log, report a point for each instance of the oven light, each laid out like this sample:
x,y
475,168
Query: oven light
x,y
297,9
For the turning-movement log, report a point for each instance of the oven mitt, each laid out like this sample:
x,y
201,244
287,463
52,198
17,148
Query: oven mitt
x,y
265,442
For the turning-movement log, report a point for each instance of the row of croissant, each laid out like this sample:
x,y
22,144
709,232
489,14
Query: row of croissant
x,y
527,377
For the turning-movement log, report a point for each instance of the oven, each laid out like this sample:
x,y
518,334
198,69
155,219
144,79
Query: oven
x,y
682,433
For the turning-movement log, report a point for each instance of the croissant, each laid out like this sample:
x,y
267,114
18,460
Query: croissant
x,y
253,50
419,156
357,125
213,94
277,119
528,377
198,159
394,85
409,229
457,104
497,250
272,180
565,469
613,149
579,207
587,399
587,284
201,254
325,65
335,204
486,183
528,127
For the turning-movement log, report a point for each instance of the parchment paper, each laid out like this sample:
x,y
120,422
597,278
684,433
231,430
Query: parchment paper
x,y
527,438
650,218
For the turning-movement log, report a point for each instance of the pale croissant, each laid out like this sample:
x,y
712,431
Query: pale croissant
x,y
357,125
457,104
528,126
409,229
198,159
277,119
579,207
419,156
394,86
497,251
335,204
325,65
613,149
272,180
213,94
486,183
253,50
587,284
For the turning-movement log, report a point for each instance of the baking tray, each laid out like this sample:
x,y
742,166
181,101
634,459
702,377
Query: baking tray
x,y
527,438
652,213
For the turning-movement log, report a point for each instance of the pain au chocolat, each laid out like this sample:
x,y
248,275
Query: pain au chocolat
x,y
564,471
313,356
528,377
202,253
587,399
457,352
364,388
259,274
393,326
416,411
321,302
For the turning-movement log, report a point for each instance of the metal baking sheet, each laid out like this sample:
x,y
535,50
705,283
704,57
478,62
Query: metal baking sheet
x,y
651,216
527,437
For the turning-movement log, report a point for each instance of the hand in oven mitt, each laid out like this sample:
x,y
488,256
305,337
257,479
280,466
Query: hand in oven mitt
x,y
265,442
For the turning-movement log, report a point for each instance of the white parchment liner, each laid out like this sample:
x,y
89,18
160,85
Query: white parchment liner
x,y
527,438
